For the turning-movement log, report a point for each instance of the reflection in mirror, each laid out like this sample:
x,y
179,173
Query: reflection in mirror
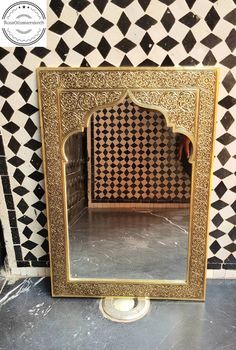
x,y
128,184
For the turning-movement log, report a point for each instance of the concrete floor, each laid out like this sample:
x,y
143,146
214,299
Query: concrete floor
x,y
130,243
32,320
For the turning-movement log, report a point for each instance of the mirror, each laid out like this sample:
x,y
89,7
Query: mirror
x,y
128,183
127,161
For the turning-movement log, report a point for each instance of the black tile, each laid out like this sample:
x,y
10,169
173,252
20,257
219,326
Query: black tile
x,y
231,17
42,220
167,2
227,102
6,184
81,26
27,232
83,48
39,205
12,218
30,127
18,253
146,43
15,235
59,27
37,176
212,18
209,59
62,49
231,40
39,192
231,247
217,220
189,41
232,220
25,219
167,62
213,266
100,5
229,81
7,110
229,266
3,73
40,52
20,190
123,23
19,176
9,202
223,156
167,43
106,64
126,62
125,45
3,166
5,91
122,3
20,53
33,144
215,247
16,161
232,233
56,6
3,53
79,5
25,91
211,41
36,161
14,145
104,47
220,189
22,72
215,260
144,4
45,246
190,19
2,152
43,233
233,189
229,61
189,61
40,263
84,63
22,206
222,173
11,127
217,233
102,24
146,22
30,256
226,139
23,264
148,63
219,204
168,20
28,109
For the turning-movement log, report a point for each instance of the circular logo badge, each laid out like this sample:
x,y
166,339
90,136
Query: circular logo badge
x,y
24,23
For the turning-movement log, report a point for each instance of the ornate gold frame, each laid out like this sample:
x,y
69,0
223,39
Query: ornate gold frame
x,y
187,98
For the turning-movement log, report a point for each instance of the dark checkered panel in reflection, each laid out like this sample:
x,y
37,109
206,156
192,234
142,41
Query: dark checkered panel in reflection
x,y
134,157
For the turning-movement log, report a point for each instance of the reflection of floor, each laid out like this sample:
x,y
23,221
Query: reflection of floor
x,y
116,243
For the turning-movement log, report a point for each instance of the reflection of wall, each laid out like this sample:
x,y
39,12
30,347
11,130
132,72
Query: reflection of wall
x,y
134,158
75,148
118,33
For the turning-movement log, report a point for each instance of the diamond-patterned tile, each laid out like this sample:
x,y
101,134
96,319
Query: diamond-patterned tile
x,y
102,24
168,20
146,22
81,26
123,23
190,19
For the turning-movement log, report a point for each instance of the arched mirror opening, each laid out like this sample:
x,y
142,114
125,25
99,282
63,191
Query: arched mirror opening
x,y
128,180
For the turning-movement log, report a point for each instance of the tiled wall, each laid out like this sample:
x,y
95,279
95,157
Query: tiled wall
x,y
76,170
118,33
134,158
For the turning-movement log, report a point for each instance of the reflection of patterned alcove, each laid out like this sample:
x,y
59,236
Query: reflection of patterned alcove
x,y
133,158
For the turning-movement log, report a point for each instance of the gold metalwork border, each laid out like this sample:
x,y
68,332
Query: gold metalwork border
x,y
187,98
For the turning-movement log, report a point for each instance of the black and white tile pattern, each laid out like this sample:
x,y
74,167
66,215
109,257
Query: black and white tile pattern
x,y
118,33
134,158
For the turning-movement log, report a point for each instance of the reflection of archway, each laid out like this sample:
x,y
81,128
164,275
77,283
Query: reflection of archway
x,y
135,162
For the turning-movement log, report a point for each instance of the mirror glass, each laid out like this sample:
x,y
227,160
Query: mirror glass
x,y
128,181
